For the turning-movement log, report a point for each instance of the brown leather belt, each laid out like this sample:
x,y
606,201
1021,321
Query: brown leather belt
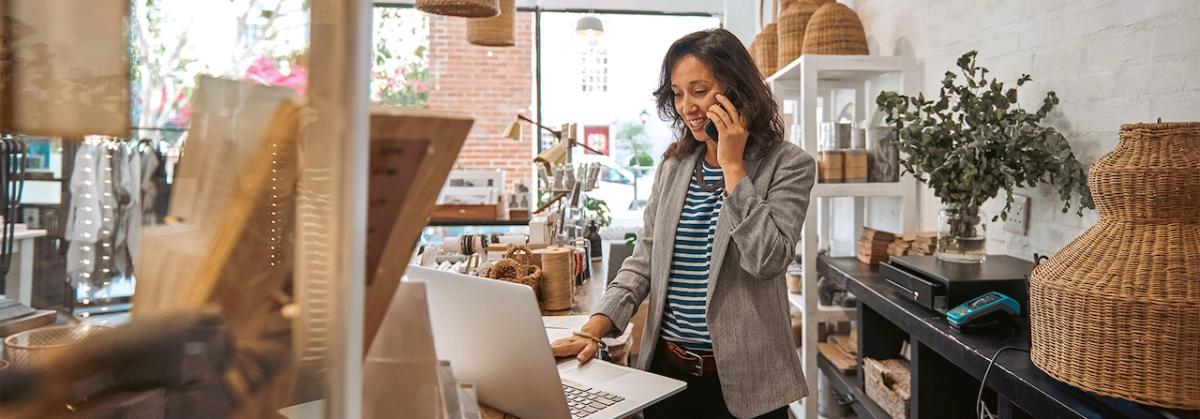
x,y
688,362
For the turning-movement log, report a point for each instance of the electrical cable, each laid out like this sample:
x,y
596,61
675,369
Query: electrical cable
x,y
980,408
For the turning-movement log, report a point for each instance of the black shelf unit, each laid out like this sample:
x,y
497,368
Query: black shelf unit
x,y
947,365
852,386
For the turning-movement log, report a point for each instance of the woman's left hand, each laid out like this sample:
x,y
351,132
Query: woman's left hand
x,y
732,130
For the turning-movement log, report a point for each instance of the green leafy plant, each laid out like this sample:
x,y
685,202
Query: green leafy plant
x,y
597,209
632,139
630,240
974,140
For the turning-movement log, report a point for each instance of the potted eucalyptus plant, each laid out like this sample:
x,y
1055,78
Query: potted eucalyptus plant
x,y
973,141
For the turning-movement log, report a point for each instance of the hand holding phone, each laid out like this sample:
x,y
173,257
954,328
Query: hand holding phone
x,y
709,127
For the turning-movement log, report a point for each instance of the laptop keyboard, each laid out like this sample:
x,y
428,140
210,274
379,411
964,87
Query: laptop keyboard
x,y
585,401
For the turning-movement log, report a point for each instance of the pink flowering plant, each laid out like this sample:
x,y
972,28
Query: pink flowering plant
x,y
400,76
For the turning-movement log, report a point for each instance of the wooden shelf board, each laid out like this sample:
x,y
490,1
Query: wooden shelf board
x,y
823,312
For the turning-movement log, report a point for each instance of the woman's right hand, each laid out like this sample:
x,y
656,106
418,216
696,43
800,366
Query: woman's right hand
x,y
583,348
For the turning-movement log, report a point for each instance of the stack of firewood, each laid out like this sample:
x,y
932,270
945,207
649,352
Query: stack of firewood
x,y
914,244
873,246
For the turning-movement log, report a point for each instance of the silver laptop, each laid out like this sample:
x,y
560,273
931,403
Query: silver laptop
x,y
492,334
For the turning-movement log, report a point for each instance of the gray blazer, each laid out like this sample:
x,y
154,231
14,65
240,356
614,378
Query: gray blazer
x,y
747,312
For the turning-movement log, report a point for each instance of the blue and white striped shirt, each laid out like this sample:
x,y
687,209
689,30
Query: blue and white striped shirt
x,y
687,290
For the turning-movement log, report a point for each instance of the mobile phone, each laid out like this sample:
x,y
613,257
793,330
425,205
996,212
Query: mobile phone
x,y
709,127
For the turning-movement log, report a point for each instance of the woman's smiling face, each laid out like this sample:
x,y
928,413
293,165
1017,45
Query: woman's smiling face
x,y
695,88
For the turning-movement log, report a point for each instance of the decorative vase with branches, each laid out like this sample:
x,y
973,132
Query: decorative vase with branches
x,y
975,140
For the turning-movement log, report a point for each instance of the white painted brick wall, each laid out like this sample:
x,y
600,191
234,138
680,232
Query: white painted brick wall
x,y
1110,62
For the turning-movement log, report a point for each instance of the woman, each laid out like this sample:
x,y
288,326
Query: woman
x,y
719,230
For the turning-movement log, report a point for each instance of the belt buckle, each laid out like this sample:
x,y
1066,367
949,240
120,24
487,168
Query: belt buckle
x,y
699,365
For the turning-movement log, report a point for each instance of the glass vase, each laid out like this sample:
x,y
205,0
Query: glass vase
x,y
961,234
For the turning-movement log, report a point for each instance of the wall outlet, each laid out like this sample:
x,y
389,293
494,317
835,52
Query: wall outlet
x,y
1018,215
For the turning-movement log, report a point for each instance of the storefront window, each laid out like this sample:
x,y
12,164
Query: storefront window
x,y
604,82
401,74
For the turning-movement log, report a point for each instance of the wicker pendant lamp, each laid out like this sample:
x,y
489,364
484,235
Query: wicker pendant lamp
x,y
755,53
791,30
461,8
834,29
768,44
495,31
1117,311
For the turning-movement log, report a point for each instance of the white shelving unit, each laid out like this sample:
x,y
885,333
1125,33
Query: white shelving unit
x,y
832,78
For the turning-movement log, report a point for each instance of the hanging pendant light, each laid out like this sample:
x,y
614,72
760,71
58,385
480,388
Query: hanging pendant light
x,y
589,26
495,31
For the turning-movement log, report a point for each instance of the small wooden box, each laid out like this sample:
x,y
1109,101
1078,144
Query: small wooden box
x,y
854,166
830,167
465,212
889,384
873,246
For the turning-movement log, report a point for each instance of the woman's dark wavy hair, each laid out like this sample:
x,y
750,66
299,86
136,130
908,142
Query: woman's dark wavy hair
x,y
721,51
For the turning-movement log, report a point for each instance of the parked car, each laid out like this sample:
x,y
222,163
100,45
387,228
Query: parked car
x,y
616,186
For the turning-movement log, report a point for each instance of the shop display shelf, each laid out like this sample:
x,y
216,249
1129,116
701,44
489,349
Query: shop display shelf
x,y
823,313
866,189
852,386
838,68
821,88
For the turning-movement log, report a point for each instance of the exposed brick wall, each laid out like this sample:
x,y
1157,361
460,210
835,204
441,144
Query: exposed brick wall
x,y
490,84
1110,62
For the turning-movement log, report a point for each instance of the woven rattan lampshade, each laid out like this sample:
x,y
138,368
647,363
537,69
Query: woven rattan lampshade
x,y
1117,311
495,31
768,43
834,29
460,8
791,30
755,53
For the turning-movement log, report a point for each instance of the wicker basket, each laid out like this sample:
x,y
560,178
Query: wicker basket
x,y
791,30
28,348
835,30
768,42
1117,311
495,31
754,50
516,267
461,8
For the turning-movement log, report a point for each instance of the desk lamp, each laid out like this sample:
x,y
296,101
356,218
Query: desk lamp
x,y
557,154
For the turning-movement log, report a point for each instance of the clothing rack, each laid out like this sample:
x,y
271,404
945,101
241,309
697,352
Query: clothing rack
x,y
115,185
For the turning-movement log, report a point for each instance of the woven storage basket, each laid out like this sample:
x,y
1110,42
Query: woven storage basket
x,y
495,31
1117,311
768,42
834,29
516,266
791,30
461,8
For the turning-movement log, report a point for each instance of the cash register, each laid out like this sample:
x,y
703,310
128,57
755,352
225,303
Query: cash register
x,y
940,286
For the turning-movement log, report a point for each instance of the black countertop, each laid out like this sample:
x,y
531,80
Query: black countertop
x,y
1014,376
464,223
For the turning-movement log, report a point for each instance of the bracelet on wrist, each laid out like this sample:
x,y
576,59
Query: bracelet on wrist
x,y
589,336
